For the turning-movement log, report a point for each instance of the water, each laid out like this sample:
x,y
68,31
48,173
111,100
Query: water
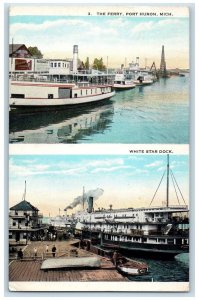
x,y
176,270
158,113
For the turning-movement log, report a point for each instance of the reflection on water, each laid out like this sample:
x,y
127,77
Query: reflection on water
x,y
60,126
158,113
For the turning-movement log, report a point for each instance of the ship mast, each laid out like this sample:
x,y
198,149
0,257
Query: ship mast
x,y
167,180
24,194
83,198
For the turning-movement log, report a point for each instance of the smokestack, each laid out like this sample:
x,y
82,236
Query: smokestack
x,y
90,204
95,194
75,58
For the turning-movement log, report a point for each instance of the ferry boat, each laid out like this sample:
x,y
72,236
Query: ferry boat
x,y
143,79
156,231
53,95
122,83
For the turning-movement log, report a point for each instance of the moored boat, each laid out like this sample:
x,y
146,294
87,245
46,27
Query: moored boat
x,y
131,267
122,83
143,79
160,231
53,95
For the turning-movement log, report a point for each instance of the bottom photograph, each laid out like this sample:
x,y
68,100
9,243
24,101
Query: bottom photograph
x,y
98,218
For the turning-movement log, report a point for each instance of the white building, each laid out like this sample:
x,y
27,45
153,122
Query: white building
x,y
24,223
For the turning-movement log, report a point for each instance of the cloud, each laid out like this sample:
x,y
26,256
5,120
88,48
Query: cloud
x,y
168,22
46,25
118,22
144,26
36,169
152,25
98,170
154,164
106,162
33,168
97,30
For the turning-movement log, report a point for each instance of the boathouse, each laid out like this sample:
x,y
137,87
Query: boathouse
x,y
25,222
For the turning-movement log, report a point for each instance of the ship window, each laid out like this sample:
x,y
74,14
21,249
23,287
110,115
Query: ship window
x,y
86,92
50,96
170,241
14,224
81,92
91,91
51,65
162,241
75,95
17,96
55,65
59,64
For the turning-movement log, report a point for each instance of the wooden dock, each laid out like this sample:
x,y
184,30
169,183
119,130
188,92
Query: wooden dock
x,y
28,269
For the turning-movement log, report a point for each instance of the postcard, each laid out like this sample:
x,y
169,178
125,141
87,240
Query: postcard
x,y
99,148
99,74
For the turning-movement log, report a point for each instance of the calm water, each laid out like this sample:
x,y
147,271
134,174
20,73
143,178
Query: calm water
x,y
158,113
176,270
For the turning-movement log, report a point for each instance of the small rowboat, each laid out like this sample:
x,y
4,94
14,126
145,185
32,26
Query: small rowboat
x,y
131,267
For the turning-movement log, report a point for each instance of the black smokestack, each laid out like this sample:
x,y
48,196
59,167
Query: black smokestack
x,y
95,194
90,204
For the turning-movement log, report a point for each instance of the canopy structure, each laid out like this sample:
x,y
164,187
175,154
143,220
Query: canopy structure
x,y
75,262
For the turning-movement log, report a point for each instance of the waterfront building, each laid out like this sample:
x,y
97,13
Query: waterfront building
x,y
25,222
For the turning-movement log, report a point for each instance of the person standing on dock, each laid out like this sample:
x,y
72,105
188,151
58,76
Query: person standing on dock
x,y
115,258
20,254
35,253
54,250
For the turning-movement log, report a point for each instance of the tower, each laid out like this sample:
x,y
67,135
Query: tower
x,y
75,58
163,70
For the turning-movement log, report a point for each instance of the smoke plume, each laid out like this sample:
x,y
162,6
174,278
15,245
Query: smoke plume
x,y
84,198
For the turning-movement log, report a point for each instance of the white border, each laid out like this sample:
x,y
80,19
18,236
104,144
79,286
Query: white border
x,y
4,175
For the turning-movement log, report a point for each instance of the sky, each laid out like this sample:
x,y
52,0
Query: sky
x,y
54,181
121,39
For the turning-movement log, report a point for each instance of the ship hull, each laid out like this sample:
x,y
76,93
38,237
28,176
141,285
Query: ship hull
x,y
143,250
65,106
161,251
120,87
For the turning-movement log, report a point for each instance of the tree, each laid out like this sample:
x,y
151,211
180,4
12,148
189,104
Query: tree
x,y
35,52
81,65
98,64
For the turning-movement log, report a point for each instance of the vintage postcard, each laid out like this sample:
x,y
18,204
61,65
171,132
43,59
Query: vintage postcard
x,y
99,148
99,74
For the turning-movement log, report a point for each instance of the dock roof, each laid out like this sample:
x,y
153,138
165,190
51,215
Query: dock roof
x,y
24,206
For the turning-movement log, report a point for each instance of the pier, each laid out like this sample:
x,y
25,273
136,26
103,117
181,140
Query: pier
x,y
28,269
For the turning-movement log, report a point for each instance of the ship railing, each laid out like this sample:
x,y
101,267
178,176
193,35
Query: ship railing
x,y
49,80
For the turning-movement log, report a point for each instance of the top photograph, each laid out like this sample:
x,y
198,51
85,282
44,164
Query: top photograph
x,y
99,74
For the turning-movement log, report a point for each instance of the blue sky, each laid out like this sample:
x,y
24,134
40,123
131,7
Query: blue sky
x,y
128,181
115,37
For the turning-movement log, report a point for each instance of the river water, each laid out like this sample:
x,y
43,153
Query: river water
x,y
176,270
158,113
